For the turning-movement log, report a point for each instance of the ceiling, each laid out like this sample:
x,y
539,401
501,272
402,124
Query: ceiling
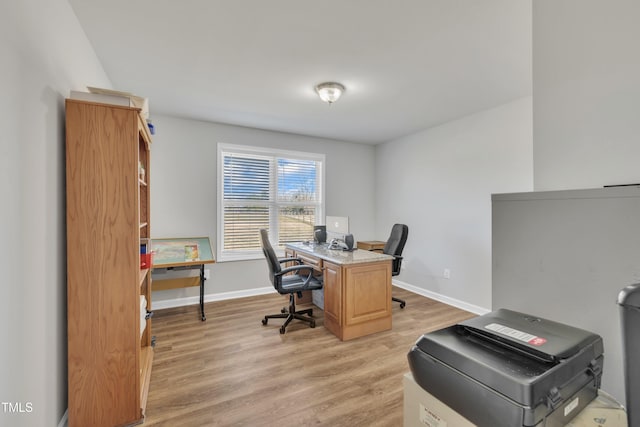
x,y
407,64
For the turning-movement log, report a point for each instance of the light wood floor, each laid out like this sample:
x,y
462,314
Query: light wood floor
x,y
232,371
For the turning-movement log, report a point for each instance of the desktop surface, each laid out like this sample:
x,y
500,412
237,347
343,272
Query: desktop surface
x,y
338,256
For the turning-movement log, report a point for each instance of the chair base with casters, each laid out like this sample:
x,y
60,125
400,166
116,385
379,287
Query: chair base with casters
x,y
401,301
290,314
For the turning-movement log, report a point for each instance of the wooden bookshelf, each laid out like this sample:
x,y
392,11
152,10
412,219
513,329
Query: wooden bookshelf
x,y
108,213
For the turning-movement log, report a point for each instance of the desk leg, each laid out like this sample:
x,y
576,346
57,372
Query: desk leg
x,y
202,279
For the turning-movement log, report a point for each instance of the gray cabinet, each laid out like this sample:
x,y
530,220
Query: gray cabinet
x,y
565,255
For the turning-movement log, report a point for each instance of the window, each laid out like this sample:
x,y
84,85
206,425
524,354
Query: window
x,y
281,191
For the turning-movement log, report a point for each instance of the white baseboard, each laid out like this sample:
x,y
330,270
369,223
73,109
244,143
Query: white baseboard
x,y
179,302
64,421
442,298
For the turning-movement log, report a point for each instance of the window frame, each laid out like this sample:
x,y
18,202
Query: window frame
x,y
273,155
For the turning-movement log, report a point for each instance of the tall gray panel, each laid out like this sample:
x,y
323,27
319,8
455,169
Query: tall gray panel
x,y
565,255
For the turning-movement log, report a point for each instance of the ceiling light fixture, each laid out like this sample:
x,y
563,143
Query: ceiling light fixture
x,y
330,92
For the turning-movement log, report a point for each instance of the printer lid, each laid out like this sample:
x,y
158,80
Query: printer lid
x,y
533,336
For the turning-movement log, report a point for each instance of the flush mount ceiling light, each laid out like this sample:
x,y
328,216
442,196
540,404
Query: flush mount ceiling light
x,y
330,92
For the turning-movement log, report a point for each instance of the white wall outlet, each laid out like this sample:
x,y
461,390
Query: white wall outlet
x,y
447,273
207,274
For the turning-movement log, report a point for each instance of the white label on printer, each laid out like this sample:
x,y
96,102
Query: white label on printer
x,y
430,419
516,334
571,406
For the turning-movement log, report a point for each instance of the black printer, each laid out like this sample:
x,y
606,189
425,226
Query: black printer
x,y
510,369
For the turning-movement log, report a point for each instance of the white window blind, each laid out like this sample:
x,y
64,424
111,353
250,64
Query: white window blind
x,y
281,191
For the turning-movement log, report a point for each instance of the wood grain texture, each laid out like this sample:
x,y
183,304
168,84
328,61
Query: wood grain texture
x,y
332,289
362,296
104,281
232,371
178,282
368,292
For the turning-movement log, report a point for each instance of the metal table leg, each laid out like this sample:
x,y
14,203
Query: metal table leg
x,y
202,279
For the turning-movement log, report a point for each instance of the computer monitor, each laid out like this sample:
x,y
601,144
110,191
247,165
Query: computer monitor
x,y
337,226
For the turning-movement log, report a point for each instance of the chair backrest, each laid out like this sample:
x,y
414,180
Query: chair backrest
x,y
270,255
395,245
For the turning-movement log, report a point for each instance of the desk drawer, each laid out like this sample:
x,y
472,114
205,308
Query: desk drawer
x,y
310,260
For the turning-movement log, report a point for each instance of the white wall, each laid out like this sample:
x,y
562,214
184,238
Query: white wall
x,y
44,54
183,191
586,93
439,182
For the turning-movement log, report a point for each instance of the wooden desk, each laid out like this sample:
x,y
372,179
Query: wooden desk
x,y
371,245
357,289
182,254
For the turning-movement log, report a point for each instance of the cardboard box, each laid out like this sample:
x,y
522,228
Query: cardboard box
x,y
603,411
421,409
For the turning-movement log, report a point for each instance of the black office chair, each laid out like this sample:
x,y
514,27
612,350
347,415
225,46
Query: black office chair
x,y
394,247
286,283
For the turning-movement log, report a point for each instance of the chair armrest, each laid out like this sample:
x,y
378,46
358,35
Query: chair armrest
x,y
298,268
396,265
295,268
